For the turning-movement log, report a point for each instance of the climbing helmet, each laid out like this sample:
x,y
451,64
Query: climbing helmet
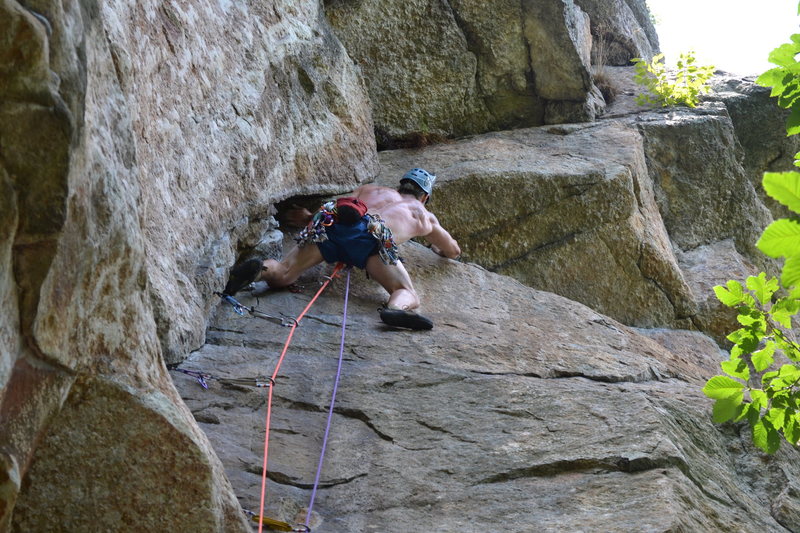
x,y
421,177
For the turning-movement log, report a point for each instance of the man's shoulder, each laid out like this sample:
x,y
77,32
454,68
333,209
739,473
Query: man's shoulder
x,y
371,187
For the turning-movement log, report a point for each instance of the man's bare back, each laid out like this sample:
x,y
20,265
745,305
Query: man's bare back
x,y
407,217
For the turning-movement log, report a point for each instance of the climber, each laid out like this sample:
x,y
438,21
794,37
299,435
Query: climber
x,y
363,230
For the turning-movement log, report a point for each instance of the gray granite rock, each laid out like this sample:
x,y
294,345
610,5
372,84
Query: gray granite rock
x,y
519,411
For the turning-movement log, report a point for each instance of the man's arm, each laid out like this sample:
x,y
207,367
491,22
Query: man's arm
x,y
441,241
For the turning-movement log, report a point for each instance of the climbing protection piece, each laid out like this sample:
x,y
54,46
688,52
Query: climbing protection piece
x,y
240,309
202,378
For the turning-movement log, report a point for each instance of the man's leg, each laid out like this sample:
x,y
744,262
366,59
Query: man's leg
x,y
287,270
396,281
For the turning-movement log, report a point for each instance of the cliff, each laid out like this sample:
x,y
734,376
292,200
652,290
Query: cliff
x,y
145,146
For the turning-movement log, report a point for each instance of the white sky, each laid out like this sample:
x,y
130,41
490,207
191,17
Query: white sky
x,y
733,35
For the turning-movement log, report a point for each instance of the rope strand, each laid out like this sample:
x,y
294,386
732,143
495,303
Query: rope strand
x,y
294,326
333,400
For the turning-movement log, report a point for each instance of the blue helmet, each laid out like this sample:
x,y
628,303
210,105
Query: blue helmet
x,y
421,177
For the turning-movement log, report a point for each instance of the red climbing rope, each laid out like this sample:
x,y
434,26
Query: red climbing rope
x,y
334,274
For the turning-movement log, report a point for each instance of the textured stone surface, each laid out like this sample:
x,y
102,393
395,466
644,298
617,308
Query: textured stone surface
x,y
565,209
469,66
707,266
758,120
703,193
519,411
597,213
621,31
141,146
152,456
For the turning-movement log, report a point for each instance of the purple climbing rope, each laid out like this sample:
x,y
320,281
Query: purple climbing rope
x,y
333,399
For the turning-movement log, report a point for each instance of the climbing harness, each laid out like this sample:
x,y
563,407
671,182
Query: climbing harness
x,y
334,274
326,216
203,378
241,309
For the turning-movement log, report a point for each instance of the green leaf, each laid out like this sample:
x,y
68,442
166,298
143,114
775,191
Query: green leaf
x,y
752,318
793,122
736,368
765,436
784,187
790,275
743,410
784,55
781,238
763,358
789,372
749,340
776,417
759,399
725,410
768,377
787,376
771,77
761,287
723,387
791,430
783,310
731,296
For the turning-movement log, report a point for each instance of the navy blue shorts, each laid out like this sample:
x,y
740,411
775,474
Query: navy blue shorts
x,y
351,245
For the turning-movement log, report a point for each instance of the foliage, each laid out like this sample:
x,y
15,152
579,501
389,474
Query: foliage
x,y
755,388
682,86
785,80
769,401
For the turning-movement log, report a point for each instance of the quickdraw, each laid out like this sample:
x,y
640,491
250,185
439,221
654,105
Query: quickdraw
x,y
269,382
240,309
388,249
203,378
315,231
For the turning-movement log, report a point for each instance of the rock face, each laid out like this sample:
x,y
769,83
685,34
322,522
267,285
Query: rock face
x,y
602,213
143,148
520,411
755,115
621,31
468,66
141,144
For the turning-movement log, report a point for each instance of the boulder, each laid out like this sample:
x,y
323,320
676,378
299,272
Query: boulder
x,y
565,209
621,30
143,145
703,193
450,69
705,267
519,411
598,212
760,128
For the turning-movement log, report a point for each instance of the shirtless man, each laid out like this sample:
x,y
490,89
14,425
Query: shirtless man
x,y
404,213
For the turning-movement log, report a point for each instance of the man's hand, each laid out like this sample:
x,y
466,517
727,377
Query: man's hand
x,y
297,216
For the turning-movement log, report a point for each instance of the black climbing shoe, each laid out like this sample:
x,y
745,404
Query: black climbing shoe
x,y
400,318
243,275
